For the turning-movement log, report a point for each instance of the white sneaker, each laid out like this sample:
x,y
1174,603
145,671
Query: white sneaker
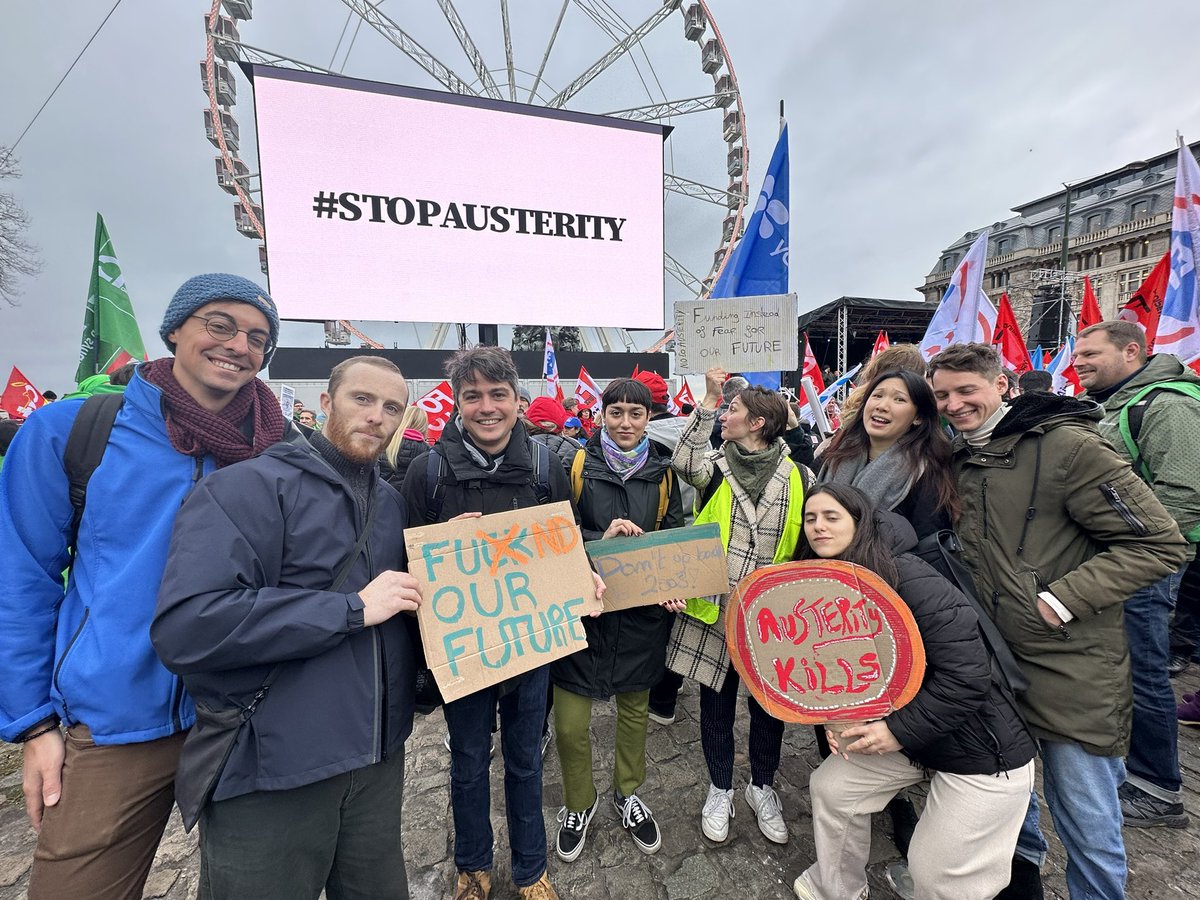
x,y
718,810
803,890
765,803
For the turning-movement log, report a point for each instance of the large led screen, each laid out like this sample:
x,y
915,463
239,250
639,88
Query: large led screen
x,y
384,202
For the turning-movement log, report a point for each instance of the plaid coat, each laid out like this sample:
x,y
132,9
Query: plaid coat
x,y
698,650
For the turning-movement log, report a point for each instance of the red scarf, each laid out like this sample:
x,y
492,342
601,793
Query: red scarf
x,y
194,431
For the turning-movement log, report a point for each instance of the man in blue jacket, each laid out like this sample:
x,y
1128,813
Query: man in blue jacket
x,y
280,599
81,657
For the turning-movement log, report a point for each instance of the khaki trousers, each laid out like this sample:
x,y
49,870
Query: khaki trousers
x,y
963,845
572,722
99,840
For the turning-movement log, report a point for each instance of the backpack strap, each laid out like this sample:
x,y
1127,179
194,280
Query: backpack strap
x,y
577,475
1129,420
664,497
541,471
435,494
85,449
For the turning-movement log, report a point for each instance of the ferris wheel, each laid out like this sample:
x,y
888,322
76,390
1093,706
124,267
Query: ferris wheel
x,y
611,57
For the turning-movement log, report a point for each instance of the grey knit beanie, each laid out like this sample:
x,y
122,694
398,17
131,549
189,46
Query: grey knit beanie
x,y
202,289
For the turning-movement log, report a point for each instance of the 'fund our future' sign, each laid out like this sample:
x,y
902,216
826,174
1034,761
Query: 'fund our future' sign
x,y
824,641
502,594
739,333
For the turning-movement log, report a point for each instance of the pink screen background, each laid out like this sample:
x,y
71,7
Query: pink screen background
x,y
315,138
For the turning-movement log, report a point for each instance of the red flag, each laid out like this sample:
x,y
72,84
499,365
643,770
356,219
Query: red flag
x,y
684,395
587,392
1146,303
439,407
636,369
881,344
811,369
20,398
1008,339
1089,313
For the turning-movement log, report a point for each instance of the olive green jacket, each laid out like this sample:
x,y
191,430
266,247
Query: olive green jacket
x,y
1169,439
1049,505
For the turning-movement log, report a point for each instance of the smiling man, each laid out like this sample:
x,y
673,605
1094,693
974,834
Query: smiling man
x,y
81,657
280,602
1058,531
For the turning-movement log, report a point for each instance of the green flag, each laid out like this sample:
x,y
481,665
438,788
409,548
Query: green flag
x,y
110,331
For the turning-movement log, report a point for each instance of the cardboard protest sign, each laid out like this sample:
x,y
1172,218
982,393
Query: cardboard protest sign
x,y
823,641
502,594
755,334
660,565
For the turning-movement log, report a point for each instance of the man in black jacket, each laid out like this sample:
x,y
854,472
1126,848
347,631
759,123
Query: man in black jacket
x,y
484,464
280,599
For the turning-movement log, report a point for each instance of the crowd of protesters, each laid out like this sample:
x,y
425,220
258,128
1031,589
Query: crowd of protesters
x,y
213,610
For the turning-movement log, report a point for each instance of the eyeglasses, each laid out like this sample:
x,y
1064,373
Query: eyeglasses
x,y
223,329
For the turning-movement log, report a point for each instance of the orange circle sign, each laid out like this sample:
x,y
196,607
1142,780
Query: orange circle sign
x,y
823,641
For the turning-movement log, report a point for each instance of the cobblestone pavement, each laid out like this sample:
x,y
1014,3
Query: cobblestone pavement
x,y
1163,862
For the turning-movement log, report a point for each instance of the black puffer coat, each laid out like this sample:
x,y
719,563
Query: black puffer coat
x,y
409,449
626,649
961,720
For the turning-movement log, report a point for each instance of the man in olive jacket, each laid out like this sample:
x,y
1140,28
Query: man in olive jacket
x,y
1058,531
1111,361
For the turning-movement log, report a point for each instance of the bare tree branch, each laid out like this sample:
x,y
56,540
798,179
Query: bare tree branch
x,y
18,257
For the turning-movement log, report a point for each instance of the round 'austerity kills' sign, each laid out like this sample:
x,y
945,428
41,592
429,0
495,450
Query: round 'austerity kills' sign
x,y
823,641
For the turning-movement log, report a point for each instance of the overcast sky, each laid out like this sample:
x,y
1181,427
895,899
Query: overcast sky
x,y
911,123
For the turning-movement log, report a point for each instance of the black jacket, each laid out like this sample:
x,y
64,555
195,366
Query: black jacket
x,y
961,721
408,450
563,447
626,649
255,549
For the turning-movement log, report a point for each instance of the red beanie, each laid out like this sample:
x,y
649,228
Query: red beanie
x,y
545,412
658,387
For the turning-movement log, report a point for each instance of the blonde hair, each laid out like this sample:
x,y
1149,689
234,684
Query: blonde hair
x,y
895,358
415,418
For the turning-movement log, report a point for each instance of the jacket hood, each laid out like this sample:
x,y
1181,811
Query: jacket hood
x,y
1043,410
295,450
1160,367
895,531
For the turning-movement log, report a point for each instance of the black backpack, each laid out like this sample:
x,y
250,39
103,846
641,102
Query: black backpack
x,y
85,449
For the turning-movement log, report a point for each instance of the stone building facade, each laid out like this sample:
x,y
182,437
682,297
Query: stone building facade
x,y
1119,224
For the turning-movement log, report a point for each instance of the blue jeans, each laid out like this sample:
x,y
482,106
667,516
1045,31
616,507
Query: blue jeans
x,y
522,712
1153,760
1031,843
1081,791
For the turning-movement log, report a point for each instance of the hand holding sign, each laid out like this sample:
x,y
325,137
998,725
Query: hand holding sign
x,y
387,594
825,641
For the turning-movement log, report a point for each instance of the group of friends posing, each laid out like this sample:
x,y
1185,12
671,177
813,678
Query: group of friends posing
x,y
234,631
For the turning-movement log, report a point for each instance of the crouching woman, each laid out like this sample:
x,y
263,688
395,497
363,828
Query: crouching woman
x,y
961,732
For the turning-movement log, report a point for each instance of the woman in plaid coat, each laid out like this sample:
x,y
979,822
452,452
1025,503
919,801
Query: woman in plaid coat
x,y
754,492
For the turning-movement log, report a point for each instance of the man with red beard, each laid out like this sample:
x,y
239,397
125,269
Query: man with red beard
x,y
279,609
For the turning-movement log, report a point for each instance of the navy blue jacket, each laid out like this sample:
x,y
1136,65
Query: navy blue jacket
x,y
253,555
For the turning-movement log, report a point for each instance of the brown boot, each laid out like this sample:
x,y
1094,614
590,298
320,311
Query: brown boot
x,y
539,890
473,885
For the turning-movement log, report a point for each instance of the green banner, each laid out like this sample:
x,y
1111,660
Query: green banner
x,y
110,331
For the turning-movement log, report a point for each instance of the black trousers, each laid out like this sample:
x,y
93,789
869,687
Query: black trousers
x,y
340,835
718,709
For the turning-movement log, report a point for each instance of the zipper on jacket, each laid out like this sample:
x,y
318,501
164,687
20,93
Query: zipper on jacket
x,y
985,521
67,652
1118,503
198,471
177,703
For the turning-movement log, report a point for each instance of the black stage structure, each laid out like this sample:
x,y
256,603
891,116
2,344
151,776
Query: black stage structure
x,y
842,332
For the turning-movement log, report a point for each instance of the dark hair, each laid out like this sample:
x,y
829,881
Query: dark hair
x,y
626,390
123,375
1034,381
761,403
924,446
977,359
49,395
867,548
483,362
339,371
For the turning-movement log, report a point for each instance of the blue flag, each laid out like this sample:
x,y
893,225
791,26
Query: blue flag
x,y
759,264
1038,359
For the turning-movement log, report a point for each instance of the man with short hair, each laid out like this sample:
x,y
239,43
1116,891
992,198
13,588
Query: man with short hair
x,y
523,399
280,598
1034,381
81,657
484,463
307,418
1058,531
1113,366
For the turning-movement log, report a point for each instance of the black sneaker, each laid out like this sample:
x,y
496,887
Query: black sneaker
x,y
637,819
572,831
1142,810
662,716
1177,665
